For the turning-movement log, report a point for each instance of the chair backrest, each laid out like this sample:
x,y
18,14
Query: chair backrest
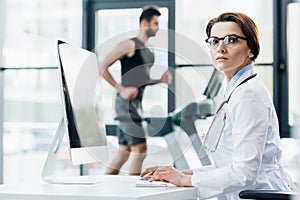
x,y
268,194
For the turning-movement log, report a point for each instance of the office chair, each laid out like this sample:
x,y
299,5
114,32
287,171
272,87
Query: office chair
x,y
268,195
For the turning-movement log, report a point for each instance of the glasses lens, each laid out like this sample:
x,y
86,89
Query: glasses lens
x,y
230,40
215,130
212,42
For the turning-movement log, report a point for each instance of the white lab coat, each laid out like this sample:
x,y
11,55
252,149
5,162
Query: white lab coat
x,y
249,150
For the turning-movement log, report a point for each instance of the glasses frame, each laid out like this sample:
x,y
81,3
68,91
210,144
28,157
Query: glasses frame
x,y
225,39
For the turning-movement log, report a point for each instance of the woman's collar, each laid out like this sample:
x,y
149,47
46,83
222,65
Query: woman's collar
x,y
240,76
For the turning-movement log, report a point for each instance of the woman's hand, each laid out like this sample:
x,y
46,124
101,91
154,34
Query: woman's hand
x,y
167,174
146,174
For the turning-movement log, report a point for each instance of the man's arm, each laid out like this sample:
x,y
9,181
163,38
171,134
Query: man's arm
x,y
122,49
125,48
165,78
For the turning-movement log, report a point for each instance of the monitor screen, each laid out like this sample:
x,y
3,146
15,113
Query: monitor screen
x,y
84,123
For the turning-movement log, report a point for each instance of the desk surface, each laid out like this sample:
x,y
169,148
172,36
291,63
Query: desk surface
x,y
112,187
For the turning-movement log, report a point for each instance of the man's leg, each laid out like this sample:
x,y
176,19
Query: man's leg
x,y
122,157
140,153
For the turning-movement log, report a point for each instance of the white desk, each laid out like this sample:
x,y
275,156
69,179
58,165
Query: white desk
x,y
112,187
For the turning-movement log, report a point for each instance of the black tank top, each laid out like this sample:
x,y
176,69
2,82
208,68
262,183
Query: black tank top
x,y
136,70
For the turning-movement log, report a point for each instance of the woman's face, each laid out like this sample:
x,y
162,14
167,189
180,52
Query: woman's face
x,y
229,59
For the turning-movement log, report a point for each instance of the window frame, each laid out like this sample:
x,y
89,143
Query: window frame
x,y
91,7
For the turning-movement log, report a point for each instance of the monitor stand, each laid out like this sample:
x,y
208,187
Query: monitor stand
x,y
52,159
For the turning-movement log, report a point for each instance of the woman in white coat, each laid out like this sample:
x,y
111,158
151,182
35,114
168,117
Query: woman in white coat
x,y
243,141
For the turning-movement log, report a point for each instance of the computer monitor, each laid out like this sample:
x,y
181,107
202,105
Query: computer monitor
x,y
82,120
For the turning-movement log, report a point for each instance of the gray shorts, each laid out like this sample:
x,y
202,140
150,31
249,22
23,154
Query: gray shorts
x,y
130,130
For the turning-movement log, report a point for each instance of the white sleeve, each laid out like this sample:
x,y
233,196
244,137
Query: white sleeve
x,y
249,117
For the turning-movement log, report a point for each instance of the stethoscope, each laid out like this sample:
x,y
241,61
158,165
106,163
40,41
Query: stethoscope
x,y
215,130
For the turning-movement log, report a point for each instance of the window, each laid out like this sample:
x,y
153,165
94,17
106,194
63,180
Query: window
x,y
293,46
31,97
116,25
191,19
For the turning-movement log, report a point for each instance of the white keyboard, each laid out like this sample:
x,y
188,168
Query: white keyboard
x,y
144,183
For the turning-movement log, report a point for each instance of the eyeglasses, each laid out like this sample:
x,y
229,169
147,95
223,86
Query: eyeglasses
x,y
215,130
229,40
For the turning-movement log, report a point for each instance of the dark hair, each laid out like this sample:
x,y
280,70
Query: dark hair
x,y
247,26
149,12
